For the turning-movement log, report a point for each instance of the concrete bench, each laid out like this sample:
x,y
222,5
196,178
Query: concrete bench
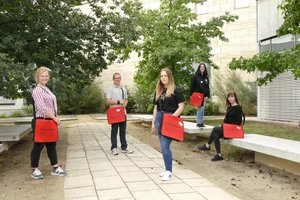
x,y
10,134
275,152
1,147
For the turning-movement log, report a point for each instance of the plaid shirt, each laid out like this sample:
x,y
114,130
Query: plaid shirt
x,y
44,99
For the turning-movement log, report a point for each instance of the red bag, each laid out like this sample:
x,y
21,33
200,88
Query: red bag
x,y
233,131
196,99
172,127
115,115
45,131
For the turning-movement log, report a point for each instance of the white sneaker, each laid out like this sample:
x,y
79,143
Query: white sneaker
x,y
37,174
114,151
167,176
58,171
162,174
129,151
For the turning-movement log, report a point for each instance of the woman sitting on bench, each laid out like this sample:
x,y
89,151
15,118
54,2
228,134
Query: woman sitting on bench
x,y
234,115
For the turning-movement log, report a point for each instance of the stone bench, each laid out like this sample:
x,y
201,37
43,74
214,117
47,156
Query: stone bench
x,y
275,152
10,134
1,147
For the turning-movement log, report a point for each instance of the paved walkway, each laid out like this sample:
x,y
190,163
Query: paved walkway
x,y
95,174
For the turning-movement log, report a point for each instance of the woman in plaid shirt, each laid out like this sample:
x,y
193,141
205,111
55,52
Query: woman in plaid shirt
x,y
45,107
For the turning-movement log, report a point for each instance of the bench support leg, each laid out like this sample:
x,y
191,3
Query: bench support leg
x,y
279,163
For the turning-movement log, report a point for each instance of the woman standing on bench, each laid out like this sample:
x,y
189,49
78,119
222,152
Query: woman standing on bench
x,y
234,115
45,107
200,83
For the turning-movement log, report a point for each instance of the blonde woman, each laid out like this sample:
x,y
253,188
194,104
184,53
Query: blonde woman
x,y
45,107
167,99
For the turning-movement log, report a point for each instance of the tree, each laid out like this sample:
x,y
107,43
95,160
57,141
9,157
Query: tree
x,y
55,33
173,37
275,63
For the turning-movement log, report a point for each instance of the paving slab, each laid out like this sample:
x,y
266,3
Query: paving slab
x,y
94,173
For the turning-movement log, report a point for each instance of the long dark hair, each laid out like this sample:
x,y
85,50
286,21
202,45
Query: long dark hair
x,y
198,72
230,94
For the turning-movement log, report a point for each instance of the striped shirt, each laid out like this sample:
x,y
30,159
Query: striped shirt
x,y
44,99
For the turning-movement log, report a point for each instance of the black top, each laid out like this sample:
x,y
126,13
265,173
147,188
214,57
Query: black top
x,y
200,83
234,115
169,104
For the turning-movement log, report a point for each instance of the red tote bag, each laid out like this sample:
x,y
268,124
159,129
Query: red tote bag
x,y
45,131
115,115
196,99
172,127
233,131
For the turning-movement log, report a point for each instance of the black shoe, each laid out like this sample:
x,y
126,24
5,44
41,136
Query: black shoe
x,y
198,125
204,148
201,125
217,157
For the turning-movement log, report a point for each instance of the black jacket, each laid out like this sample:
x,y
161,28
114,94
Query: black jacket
x,y
234,115
200,84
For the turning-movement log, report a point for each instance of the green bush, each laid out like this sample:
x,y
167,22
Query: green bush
x,y
73,100
246,91
142,99
28,110
131,102
211,108
17,113
189,110
3,115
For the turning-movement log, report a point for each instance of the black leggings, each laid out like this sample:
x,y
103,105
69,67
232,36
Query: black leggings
x,y
215,136
36,152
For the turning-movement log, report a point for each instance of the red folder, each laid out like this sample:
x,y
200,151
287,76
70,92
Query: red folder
x,y
172,127
233,131
45,131
196,99
115,115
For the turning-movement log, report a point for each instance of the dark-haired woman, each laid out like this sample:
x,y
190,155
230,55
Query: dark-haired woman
x,y
200,83
234,115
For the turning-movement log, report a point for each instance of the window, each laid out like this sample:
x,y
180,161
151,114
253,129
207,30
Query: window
x,y
241,4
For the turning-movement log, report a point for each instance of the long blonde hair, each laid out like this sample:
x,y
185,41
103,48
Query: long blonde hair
x,y
160,86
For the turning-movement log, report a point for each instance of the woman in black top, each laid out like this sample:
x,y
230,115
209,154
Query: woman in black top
x,y
167,99
234,115
200,83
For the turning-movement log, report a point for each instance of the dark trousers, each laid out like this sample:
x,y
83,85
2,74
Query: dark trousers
x,y
215,136
114,134
36,152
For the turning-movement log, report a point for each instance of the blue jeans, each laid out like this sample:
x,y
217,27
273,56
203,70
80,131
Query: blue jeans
x,y
165,142
200,113
114,134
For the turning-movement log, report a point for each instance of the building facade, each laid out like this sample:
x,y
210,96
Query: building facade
x,y
280,99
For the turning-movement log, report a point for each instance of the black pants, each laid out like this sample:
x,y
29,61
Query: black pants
x,y
36,152
114,134
215,136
